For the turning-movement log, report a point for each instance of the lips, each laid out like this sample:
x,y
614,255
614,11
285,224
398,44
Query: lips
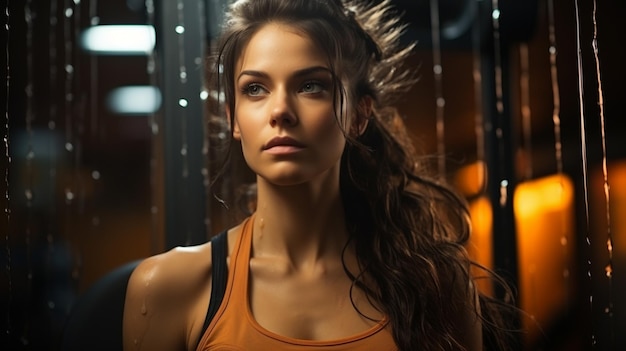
x,y
282,141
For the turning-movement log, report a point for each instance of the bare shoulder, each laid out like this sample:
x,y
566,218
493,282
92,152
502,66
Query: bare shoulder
x,y
169,273
167,298
162,298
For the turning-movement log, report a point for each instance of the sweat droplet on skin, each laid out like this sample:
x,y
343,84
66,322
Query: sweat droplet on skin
x,y
144,309
261,226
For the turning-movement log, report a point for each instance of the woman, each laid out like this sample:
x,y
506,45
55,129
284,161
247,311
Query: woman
x,y
351,247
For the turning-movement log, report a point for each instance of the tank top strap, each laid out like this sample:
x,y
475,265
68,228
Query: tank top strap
x,y
242,256
238,267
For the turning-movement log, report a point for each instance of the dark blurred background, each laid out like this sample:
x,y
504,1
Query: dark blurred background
x,y
87,188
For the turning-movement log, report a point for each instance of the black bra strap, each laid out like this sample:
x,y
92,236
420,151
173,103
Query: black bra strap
x,y
219,253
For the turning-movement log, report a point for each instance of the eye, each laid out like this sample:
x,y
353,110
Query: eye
x,y
253,89
312,87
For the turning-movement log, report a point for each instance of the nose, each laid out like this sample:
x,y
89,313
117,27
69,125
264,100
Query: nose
x,y
282,113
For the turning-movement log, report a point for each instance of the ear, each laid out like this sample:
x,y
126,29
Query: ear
x,y
235,126
363,113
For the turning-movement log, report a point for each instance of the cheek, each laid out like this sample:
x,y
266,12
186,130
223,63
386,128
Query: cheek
x,y
246,121
329,132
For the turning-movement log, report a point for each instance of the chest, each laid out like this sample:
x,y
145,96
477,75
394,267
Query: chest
x,y
320,307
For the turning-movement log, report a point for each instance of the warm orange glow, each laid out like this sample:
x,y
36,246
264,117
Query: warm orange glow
x,y
544,211
597,210
480,245
618,202
470,180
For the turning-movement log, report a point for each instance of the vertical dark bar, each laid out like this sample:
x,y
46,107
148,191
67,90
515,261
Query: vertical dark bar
x,y
499,141
185,202
501,176
499,154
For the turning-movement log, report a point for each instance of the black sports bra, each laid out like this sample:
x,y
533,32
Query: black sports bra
x,y
219,271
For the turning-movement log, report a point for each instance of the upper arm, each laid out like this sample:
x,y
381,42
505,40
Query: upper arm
x,y
155,313
167,299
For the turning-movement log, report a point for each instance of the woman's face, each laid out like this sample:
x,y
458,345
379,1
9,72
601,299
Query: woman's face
x,y
284,111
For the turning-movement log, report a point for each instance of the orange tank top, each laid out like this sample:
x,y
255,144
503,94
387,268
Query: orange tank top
x,y
234,328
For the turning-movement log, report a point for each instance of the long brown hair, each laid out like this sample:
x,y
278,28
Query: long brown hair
x,y
409,230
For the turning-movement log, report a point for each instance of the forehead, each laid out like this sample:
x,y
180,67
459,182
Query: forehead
x,y
278,45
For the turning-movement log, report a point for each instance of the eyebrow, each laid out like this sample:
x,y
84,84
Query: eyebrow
x,y
300,73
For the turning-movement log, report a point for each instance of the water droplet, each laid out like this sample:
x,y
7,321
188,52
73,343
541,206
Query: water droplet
x,y
150,67
69,69
500,108
204,95
609,245
29,194
180,29
51,305
69,146
69,12
30,155
183,151
609,310
144,309
52,125
69,195
262,223
608,270
95,175
495,14
154,210
95,20
503,192
563,241
183,102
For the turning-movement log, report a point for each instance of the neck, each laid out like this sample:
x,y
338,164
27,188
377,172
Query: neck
x,y
303,223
